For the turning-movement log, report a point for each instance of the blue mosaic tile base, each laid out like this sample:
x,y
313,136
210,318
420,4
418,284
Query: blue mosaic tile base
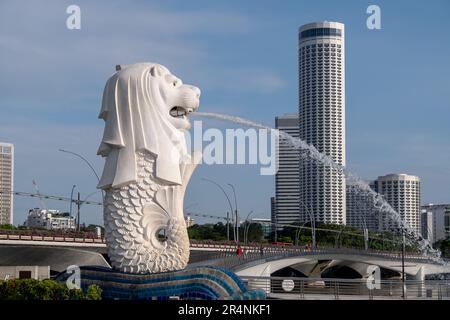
x,y
200,283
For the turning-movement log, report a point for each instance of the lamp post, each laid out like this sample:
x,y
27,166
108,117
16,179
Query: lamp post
x,y
236,213
313,223
71,200
311,219
84,159
365,232
297,233
79,204
364,226
247,227
403,263
228,226
229,203
78,197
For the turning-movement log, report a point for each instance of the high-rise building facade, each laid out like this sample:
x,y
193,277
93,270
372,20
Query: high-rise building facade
x,y
402,192
427,231
6,182
321,58
440,225
360,211
285,204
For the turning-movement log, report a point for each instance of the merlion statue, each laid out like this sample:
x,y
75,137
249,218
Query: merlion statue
x,y
147,167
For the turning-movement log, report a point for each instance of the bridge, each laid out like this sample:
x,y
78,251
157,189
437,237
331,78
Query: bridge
x,y
60,252
307,262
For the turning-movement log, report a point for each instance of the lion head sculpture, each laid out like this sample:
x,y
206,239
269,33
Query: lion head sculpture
x,y
145,108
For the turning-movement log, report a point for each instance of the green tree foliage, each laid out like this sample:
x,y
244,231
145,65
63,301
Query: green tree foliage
x,y
215,232
255,232
218,232
334,235
8,227
31,289
444,247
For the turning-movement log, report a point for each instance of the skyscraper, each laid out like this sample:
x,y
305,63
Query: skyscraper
x,y
427,225
360,211
285,204
6,182
402,192
321,58
439,227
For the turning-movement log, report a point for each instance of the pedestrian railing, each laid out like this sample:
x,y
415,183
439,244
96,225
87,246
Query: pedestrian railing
x,y
49,238
319,288
229,258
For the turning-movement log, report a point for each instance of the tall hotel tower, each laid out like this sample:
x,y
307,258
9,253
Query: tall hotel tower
x,y
321,58
6,182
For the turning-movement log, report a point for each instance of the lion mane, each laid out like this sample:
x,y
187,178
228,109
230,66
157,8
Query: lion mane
x,y
136,119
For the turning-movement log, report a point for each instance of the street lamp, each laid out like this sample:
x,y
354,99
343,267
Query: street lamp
x,y
79,204
364,225
311,219
297,233
229,203
84,159
403,262
247,227
313,223
71,200
236,212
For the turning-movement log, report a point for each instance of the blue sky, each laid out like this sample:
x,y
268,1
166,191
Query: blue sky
x,y
243,55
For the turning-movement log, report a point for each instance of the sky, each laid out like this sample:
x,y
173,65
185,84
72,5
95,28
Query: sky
x,y
243,56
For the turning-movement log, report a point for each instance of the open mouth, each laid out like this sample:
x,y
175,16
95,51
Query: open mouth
x,y
180,112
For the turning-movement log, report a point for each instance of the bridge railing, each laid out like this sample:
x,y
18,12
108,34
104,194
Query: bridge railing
x,y
228,257
26,237
228,250
304,249
304,288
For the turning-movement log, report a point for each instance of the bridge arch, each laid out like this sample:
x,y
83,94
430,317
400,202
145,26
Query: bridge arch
x,y
390,265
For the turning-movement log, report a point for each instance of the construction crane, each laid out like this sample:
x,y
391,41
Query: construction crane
x,y
77,201
39,194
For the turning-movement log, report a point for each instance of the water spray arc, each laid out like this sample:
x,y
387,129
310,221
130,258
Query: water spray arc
x,y
310,153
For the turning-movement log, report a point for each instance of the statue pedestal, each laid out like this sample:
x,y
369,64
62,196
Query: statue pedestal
x,y
199,283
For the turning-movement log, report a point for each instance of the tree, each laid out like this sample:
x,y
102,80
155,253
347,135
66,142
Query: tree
x,y
444,247
31,289
215,232
255,232
7,227
94,292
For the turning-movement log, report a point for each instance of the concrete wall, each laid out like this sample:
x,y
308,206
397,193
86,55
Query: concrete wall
x,y
13,272
56,257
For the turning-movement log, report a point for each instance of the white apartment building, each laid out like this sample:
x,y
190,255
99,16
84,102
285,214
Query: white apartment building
x,y
189,221
6,182
402,192
50,220
321,58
